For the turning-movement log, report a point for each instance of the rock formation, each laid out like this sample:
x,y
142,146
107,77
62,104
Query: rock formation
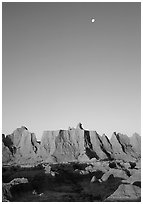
x,y
95,180
6,188
125,192
135,141
6,154
74,144
122,147
22,145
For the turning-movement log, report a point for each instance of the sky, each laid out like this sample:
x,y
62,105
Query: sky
x,y
59,68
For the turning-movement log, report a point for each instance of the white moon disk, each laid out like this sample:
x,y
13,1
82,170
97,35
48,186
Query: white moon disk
x,y
93,20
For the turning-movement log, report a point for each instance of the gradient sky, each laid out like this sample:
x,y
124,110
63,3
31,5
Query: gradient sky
x,y
60,69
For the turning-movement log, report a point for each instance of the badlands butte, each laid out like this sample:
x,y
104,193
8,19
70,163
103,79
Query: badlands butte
x,y
74,144
76,164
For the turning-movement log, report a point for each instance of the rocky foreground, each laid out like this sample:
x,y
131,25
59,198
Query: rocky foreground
x,y
71,165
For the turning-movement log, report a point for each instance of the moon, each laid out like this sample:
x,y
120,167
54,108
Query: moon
x,y
93,20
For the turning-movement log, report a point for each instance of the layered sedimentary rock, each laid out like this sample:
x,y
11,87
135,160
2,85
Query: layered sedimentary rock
x,y
74,144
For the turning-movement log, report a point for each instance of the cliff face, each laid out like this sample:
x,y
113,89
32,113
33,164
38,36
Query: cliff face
x,y
63,145
22,145
135,141
74,144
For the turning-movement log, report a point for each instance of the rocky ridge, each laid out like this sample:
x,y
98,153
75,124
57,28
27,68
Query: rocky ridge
x,y
74,144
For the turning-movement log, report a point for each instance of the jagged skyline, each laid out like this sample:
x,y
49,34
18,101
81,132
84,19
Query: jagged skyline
x,y
70,145
60,69
78,126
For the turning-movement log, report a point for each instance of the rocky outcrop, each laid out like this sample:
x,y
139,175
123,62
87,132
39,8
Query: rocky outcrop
x,y
135,177
74,144
63,145
95,145
135,141
6,188
22,145
122,148
125,192
6,154
116,173
92,181
107,144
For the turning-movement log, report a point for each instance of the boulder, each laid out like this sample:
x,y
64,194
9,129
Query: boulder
x,y
135,177
17,181
126,165
116,173
101,166
125,192
6,188
94,179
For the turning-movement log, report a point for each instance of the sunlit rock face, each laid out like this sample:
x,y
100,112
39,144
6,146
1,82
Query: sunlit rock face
x,y
122,147
135,141
125,192
107,144
74,144
63,145
92,167
22,145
